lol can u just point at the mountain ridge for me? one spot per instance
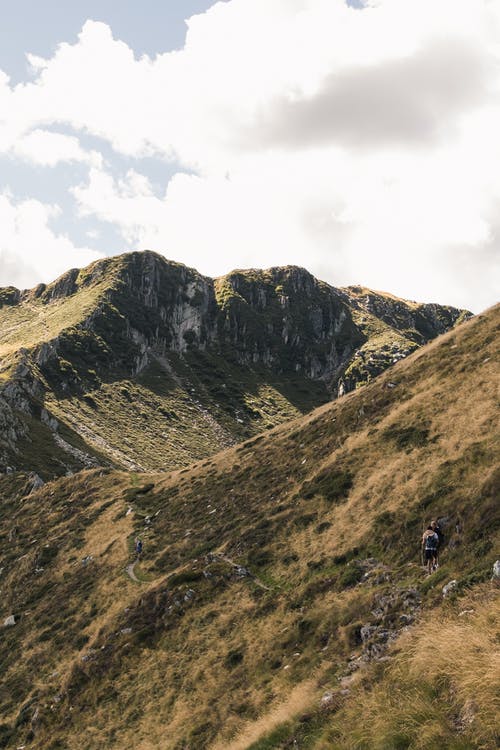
(137, 328)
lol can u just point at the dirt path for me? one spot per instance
(248, 574)
(130, 572)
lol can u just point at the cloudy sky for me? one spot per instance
(357, 139)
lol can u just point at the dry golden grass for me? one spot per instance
(215, 673)
(33, 323)
(442, 689)
(298, 699)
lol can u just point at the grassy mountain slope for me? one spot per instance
(323, 516)
(144, 364)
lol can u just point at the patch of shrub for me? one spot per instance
(305, 520)
(332, 484)
(6, 733)
(323, 526)
(353, 634)
(351, 575)
(46, 555)
(81, 641)
(343, 559)
(186, 576)
(259, 557)
(406, 438)
(233, 658)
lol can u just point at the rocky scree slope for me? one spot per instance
(281, 589)
(144, 364)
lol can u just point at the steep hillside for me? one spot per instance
(139, 363)
(281, 587)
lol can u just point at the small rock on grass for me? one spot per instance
(449, 588)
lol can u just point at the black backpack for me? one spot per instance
(432, 541)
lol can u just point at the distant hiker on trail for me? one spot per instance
(437, 528)
(430, 543)
(138, 548)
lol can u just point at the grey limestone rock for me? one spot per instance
(449, 588)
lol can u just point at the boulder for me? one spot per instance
(450, 587)
(9, 621)
(496, 571)
(36, 481)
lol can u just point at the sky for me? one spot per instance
(357, 139)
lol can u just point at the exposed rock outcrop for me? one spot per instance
(119, 315)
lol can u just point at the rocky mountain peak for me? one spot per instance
(230, 340)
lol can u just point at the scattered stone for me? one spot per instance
(326, 699)
(465, 612)
(496, 571)
(36, 482)
(366, 632)
(406, 620)
(387, 623)
(242, 572)
(354, 665)
(86, 560)
(189, 595)
(449, 588)
(125, 631)
(332, 700)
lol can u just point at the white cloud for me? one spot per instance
(30, 251)
(47, 149)
(357, 143)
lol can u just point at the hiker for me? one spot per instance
(138, 548)
(437, 529)
(430, 541)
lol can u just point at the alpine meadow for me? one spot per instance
(280, 591)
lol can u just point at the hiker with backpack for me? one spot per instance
(437, 528)
(430, 543)
(138, 548)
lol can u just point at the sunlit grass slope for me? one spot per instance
(325, 513)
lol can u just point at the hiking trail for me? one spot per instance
(130, 572)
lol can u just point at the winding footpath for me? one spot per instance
(130, 572)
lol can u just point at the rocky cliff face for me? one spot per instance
(64, 343)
